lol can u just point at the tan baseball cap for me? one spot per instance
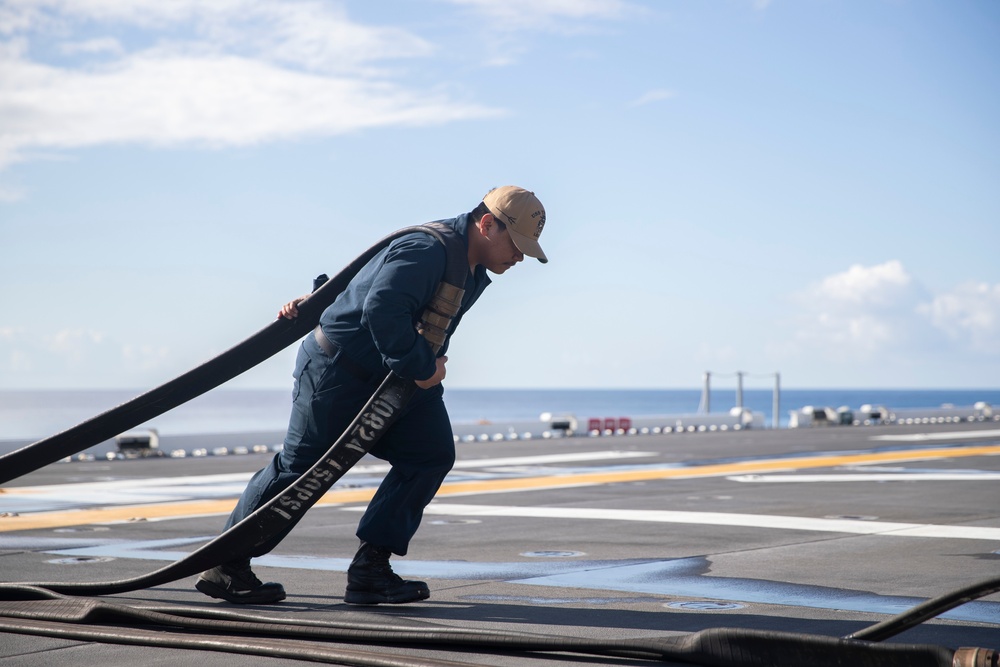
(523, 214)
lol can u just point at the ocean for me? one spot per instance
(35, 414)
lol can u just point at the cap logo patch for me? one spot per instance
(541, 223)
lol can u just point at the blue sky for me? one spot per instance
(807, 187)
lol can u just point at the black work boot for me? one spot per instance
(235, 582)
(370, 580)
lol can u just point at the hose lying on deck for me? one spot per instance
(37, 611)
(927, 610)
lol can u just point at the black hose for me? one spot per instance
(262, 345)
(926, 610)
(282, 511)
(287, 508)
(273, 648)
(720, 647)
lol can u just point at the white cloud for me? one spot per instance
(875, 286)
(75, 347)
(547, 14)
(80, 357)
(874, 311)
(29, 356)
(969, 315)
(318, 35)
(862, 311)
(102, 45)
(227, 72)
(217, 100)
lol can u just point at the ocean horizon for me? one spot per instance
(37, 413)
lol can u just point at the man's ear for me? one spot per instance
(486, 223)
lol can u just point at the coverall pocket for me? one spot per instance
(301, 363)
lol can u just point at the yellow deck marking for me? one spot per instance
(716, 470)
(64, 518)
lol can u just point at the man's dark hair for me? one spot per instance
(481, 210)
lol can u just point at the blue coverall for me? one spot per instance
(373, 323)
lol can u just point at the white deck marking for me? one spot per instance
(879, 528)
(873, 477)
(946, 435)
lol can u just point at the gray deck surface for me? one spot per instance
(822, 531)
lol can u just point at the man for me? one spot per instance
(367, 332)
